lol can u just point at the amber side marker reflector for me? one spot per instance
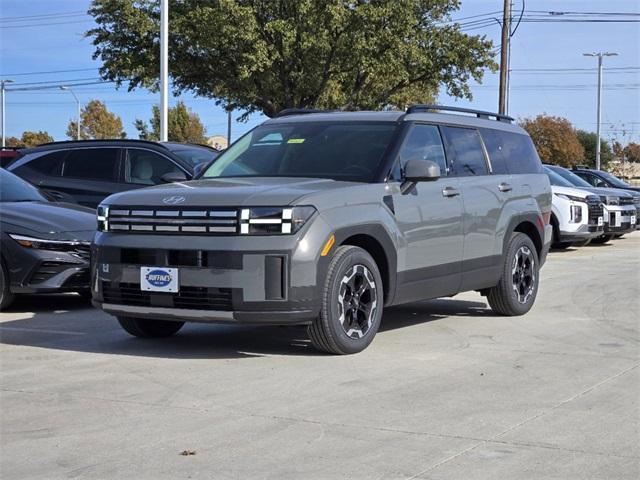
(328, 245)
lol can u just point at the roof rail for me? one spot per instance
(98, 140)
(478, 113)
(301, 111)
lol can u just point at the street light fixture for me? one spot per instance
(62, 87)
(3, 82)
(600, 55)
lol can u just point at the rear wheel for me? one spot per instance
(352, 300)
(145, 328)
(518, 287)
(6, 297)
(602, 239)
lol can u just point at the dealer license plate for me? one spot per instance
(159, 279)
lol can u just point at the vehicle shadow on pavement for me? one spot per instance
(66, 323)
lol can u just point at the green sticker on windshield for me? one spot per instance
(295, 140)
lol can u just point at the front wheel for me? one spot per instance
(6, 297)
(145, 328)
(352, 300)
(518, 287)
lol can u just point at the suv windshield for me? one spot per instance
(556, 180)
(337, 150)
(14, 189)
(571, 177)
(613, 180)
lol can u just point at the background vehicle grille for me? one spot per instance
(198, 298)
(626, 201)
(46, 270)
(595, 209)
(183, 221)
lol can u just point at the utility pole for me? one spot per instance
(228, 127)
(62, 87)
(164, 70)
(2, 84)
(504, 56)
(600, 55)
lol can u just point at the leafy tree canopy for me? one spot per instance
(184, 125)
(96, 122)
(555, 139)
(29, 139)
(266, 55)
(589, 141)
(632, 152)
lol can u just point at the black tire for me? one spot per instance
(562, 245)
(6, 297)
(351, 306)
(145, 328)
(618, 235)
(602, 239)
(504, 299)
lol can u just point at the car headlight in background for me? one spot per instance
(102, 215)
(273, 220)
(571, 197)
(69, 246)
(576, 213)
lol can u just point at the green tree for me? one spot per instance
(589, 141)
(31, 139)
(184, 125)
(266, 55)
(632, 152)
(96, 122)
(14, 142)
(555, 139)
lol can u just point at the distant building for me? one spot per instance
(218, 142)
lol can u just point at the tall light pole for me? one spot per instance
(164, 70)
(504, 57)
(62, 87)
(600, 55)
(2, 84)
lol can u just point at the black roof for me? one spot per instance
(117, 142)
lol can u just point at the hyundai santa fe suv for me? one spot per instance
(324, 219)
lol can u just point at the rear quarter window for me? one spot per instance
(512, 153)
(48, 164)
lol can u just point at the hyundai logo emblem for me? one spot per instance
(173, 200)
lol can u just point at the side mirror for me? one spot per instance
(418, 170)
(173, 177)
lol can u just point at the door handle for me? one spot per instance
(505, 187)
(450, 192)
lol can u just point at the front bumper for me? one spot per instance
(44, 271)
(267, 280)
(620, 219)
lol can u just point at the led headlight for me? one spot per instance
(55, 245)
(273, 220)
(571, 197)
(102, 215)
(576, 213)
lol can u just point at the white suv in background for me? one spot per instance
(576, 215)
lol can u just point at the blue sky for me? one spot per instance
(537, 46)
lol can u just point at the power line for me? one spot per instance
(44, 24)
(62, 81)
(43, 16)
(50, 71)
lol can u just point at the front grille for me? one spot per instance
(197, 298)
(595, 209)
(626, 201)
(78, 280)
(83, 251)
(167, 221)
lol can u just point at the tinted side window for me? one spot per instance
(92, 164)
(423, 142)
(592, 179)
(144, 167)
(47, 164)
(511, 152)
(468, 153)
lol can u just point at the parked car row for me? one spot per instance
(312, 218)
(583, 213)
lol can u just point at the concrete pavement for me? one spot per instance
(447, 390)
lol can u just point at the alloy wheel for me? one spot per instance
(357, 301)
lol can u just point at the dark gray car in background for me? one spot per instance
(323, 219)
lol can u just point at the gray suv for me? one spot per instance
(325, 218)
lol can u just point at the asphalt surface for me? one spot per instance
(446, 391)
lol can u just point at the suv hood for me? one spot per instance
(49, 220)
(227, 192)
(612, 192)
(574, 192)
